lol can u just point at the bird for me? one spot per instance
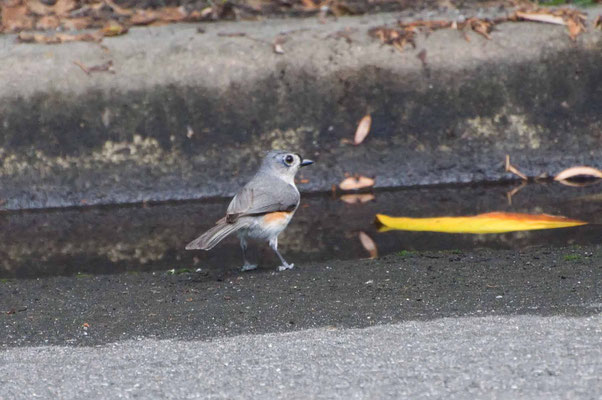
(262, 209)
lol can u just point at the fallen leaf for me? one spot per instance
(540, 17)
(493, 222)
(29, 37)
(482, 27)
(74, 24)
(356, 182)
(363, 129)
(575, 28)
(368, 244)
(513, 169)
(38, 8)
(62, 7)
(113, 28)
(15, 18)
(118, 10)
(47, 22)
(598, 22)
(357, 198)
(578, 171)
(86, 325)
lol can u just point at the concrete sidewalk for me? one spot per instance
(187, 114)
(494, 357)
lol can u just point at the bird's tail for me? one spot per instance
(213, 236)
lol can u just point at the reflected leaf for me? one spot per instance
(493, 222)
(368, 244)
(357, 198)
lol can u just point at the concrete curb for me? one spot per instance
(187, 115)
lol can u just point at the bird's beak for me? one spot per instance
(305, 163)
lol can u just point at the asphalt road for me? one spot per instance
(491, 357)
(484, 324)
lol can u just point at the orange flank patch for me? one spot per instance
(278, 216)
(493, 222)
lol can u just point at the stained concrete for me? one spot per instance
(187, 115)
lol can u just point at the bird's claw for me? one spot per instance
(248, 267)
(285, 267)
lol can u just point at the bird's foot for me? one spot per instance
(248, 267)
(285, 267)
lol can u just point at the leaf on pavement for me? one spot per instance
(363, 129)
(368, 244)
(493, 222)
(356, 182)
(578, 171)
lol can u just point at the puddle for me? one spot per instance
(135, 238)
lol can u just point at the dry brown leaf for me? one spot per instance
(358, 198)
(513, 169)
(575, 28)
(578, 171)
(356, 182)
(76, 23)
(113, 28)
(118, 10)
(363, 129)
(540, 17)
(47, 22)
(368, 244)
(39, 8)
(598, 22)
(29, 37)
(309, 5)
(144, 17)
(15, 18)
(62, 7)
(480, 26)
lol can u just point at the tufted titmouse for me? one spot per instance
(262, 208)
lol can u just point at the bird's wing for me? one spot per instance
(262, 196)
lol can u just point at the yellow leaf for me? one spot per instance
(493, 222)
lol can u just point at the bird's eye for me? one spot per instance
(289, 159)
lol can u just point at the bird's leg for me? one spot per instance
(243, 245)
(274, 246)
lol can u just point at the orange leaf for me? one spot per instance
(363, 129)
(356, 182)
(368, 244)
(493, 222)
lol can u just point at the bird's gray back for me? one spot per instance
(264, 193)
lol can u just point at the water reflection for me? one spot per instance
(118, 239)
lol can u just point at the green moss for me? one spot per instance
(572, 257)
(406, 253)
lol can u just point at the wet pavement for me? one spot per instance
(106, 240)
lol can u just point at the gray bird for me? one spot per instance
(262, 208)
